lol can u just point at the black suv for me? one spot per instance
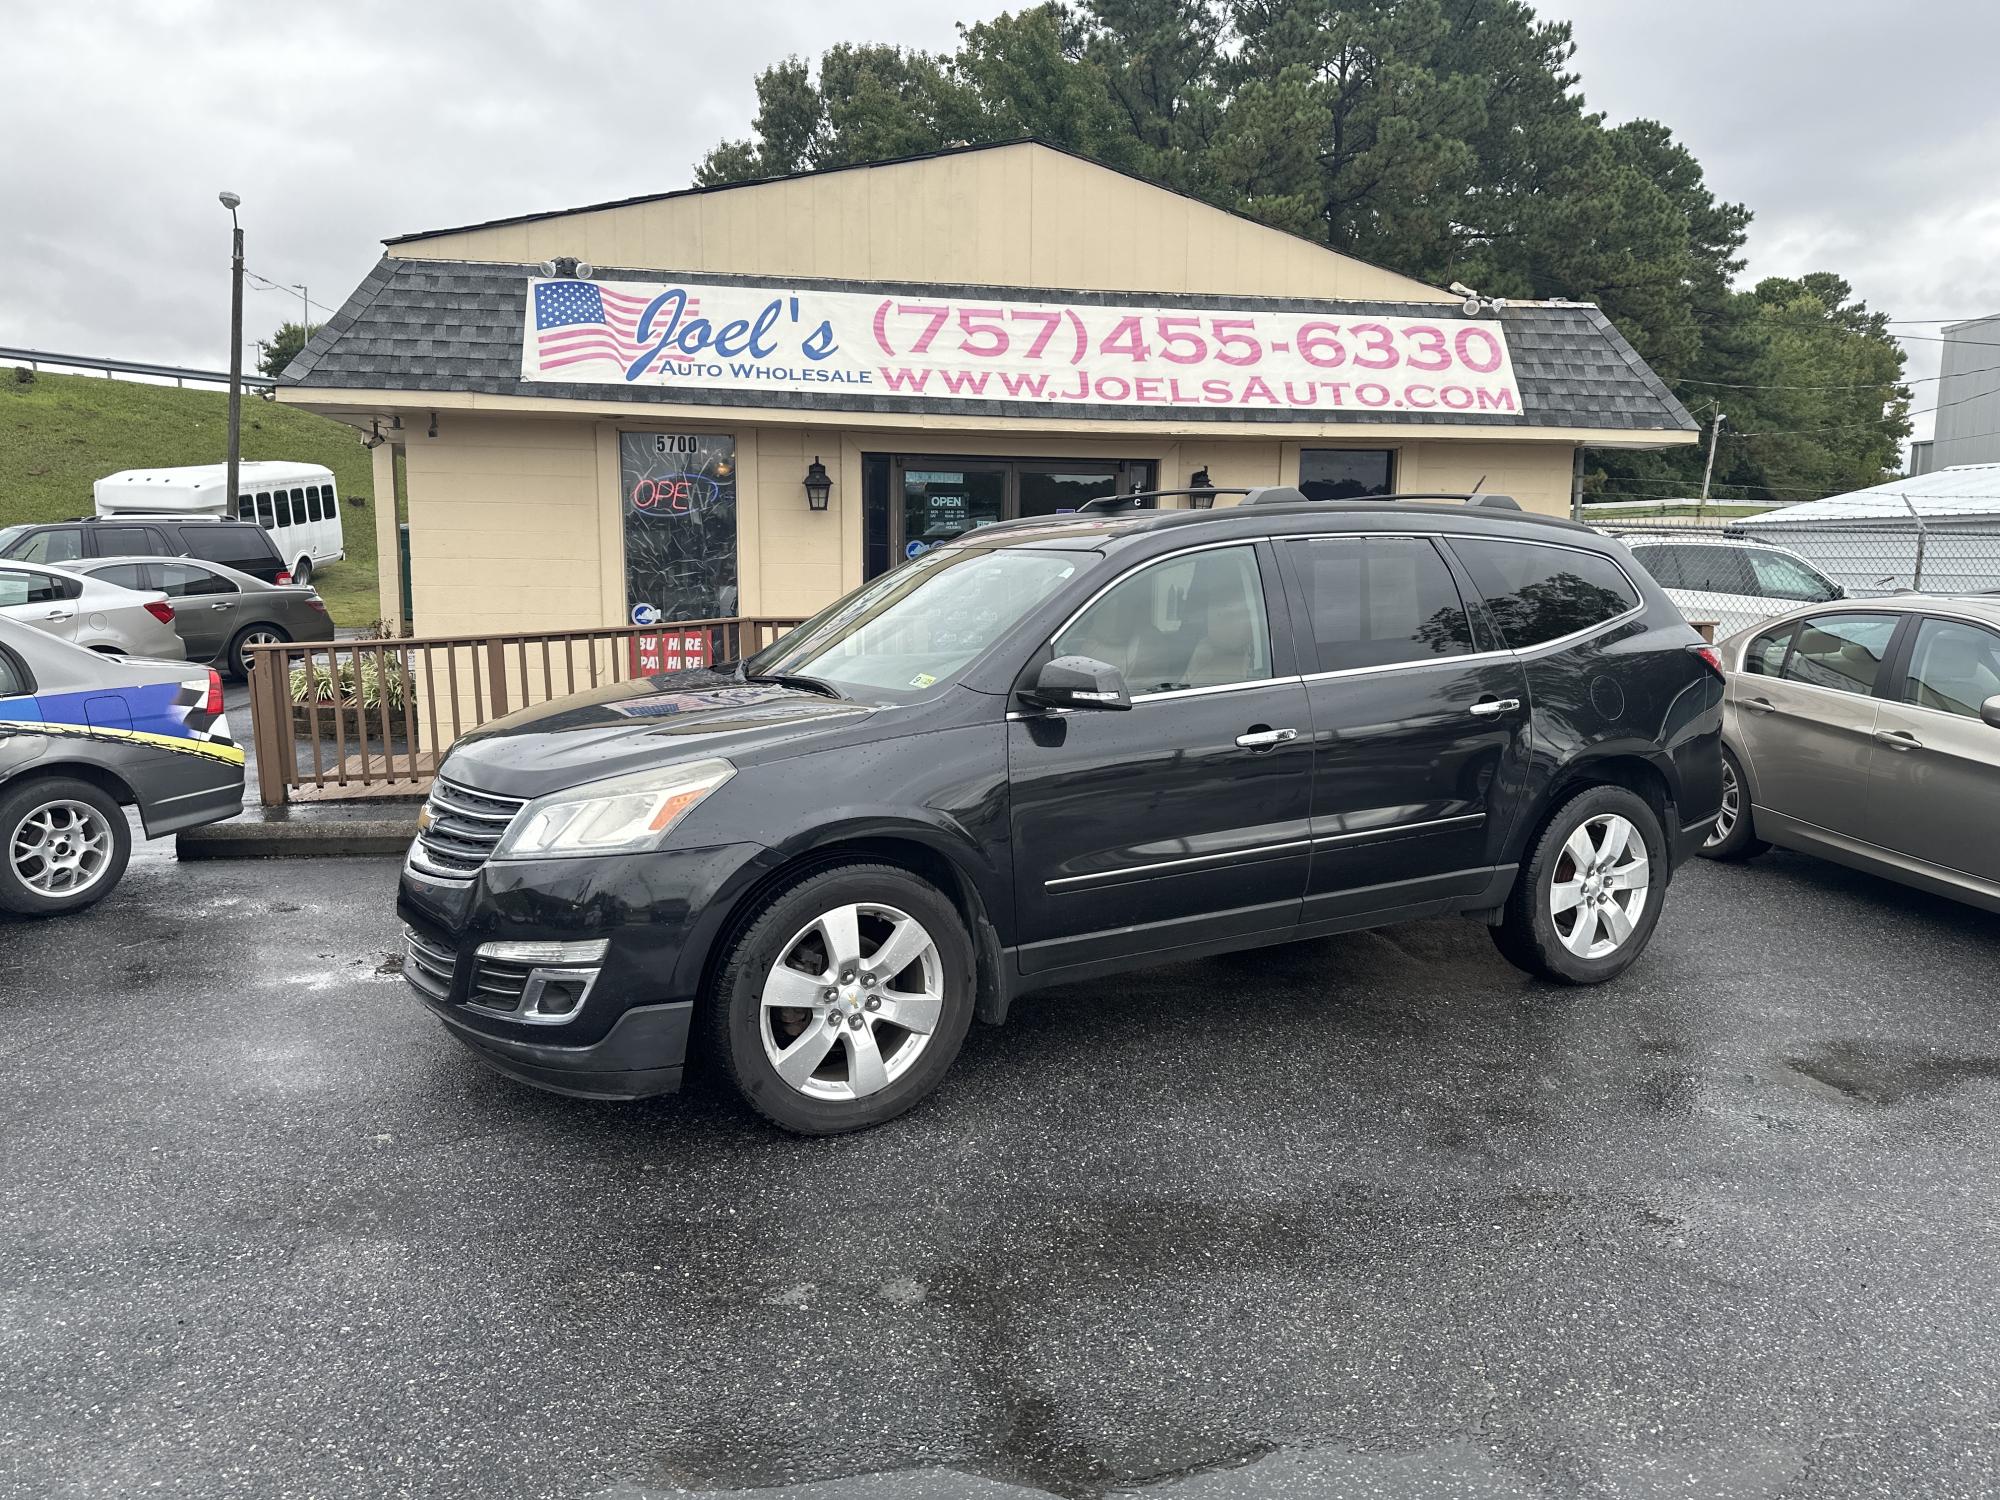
(1053, 750)
(241, 545)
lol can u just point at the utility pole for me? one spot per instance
(230, 201)
(305, 312)
(1708, 470)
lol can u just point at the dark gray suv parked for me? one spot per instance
(236, 544)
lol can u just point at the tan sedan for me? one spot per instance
(1868, 732)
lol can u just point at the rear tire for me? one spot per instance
(1588, 896)
(251, 635)
(859, 1046)
(302, 571)
(1735, 834)
(63, 846)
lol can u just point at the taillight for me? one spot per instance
(212, 704)
(160, 610)
(1710, 655)
(316, 603)
(284, 576)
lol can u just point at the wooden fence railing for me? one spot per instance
(351, 719)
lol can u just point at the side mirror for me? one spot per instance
(1079, 682)
(1989, 711)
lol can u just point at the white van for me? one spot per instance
(295, 503)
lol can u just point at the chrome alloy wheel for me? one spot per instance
(852, 1002)
(60, 848)
(1600, 886)
(1732, 807)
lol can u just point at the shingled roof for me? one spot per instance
(430, 325)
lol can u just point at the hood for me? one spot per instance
(632, 726)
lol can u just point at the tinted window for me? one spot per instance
(282, 501)
(126, 575)
(246, 508)
(1665, 564)
(19, 586)
(332, 503)
(1765, 656)
(126, 541)
(1954, 667)
(264, 514)
(235, 545)
(180, 580)
(1191, 621)
(1345, 473)
(1378, 601)
(1539, 593)
(313, 509)
(1842, 652)
(12, 683)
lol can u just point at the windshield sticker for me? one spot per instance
(922, 680)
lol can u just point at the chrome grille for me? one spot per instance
(462, 831)
(427, 968)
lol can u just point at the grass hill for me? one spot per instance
(60, 433)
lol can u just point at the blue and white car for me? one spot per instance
(84, 736)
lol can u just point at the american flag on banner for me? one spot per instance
(579, 321)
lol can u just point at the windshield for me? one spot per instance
(922, 623)
(9, 535)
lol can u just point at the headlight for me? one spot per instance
(618, 816)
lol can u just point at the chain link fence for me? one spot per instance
(1735, 572)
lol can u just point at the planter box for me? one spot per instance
(358, 725)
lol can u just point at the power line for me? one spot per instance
(268, 285)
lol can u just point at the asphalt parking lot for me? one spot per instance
(1371, 1216)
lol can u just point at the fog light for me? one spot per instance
(547, 953)
(561, 995)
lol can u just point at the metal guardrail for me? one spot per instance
(34, 359)
(373, 718)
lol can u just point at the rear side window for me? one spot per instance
(246, 508)
(1765, 656)
(1379, 601)
(264, 518)
(181, 580)
(314, 509)
(282, 503)
(1840, 652)
(332, 503)
(1540, 593)
(126, 541)
(19, 586)
(235, 545)
(13, 682)
(126, 575)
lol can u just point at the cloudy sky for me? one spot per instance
(1863, 147)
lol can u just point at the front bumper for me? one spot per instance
(605, 1015)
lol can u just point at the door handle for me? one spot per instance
(1492, 706)
(218, 606)
(1264, 739)
(1898, 739)
(58, 614)
(1760, 705)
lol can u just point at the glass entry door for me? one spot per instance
(938, 499)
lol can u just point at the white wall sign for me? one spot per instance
(923, 349)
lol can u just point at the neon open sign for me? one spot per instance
(675, 494)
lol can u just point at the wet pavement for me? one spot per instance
(1366, 1217)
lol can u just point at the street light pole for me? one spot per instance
(305, 313)
(230, 202)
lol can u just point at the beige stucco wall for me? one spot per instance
(1020, 215)
(515, 522)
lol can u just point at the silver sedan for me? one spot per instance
(92, 612)
(1868, 732)
(217, 610)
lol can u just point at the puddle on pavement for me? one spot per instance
(1888, 1076)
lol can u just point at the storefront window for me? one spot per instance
(942, 503)
(1346, 473)
(680, 525)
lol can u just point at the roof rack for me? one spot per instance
(1281, 494)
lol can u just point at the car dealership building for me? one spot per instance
(746, 400)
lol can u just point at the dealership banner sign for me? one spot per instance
(723, 337)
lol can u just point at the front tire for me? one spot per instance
(1588, 897)
(1734, 836)
(63, 846)
(845, 1001)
